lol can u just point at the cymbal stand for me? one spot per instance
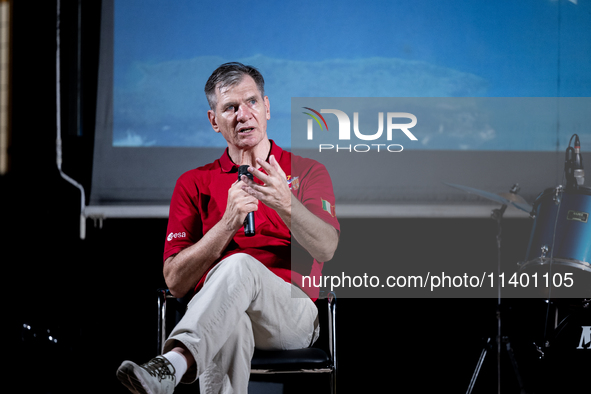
(497, 214)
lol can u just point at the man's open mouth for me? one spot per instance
(245, 130)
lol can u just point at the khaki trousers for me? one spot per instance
(242, 305)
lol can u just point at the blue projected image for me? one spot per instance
(164, 53)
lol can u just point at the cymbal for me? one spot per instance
(509, 199)
(513, 197)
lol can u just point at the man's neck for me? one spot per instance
(249, 156)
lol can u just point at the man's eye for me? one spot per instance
(253, 101)
(230, 108)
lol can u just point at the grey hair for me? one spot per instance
(230, 74)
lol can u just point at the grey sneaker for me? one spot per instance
(154, 377)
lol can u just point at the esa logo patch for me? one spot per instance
(172, 236)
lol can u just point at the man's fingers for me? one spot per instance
(272, 168)
(255, 190)
(275, 165)
(258, 174)
(246, 198)
(265, 165)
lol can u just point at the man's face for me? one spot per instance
(241, 114)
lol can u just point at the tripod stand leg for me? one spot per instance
(478, 366)
(514, 363)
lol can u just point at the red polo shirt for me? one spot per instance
(199, 201)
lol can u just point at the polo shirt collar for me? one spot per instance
(228, 165)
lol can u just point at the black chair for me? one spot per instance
(321, 358)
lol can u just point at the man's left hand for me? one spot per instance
(274, 192)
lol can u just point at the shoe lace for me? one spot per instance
(160, 368)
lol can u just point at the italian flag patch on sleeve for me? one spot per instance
(328, 207)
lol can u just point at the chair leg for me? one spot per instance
(333, 382)
(332, 310)
(161, 321)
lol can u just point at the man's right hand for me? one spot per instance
(183, 271)
(239, 204)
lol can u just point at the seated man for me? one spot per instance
(248, 291)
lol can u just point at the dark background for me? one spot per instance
(97, 296)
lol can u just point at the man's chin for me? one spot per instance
(249, 140)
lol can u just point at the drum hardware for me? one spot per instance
(505, 199)
(545, 250)
(572, 248)
(564, 366)
(540, 351)
(513, 361)
(479, 365)
(560, 238)
(542, 261)
(509, 348)
(513, 197)
(558, 195)
(508, 199)
(546, 345)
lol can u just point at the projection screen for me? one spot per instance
(531, 59)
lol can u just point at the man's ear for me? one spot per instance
(268, 107)
(213, 120)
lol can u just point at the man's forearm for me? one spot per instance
(183, 271)
(319, 238)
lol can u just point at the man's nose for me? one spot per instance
(244, 113)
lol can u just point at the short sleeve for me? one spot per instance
(184, 220)
(317, 193)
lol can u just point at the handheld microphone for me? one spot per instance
(249, 220)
